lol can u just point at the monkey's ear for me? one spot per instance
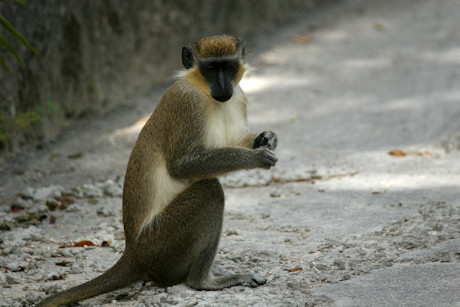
(187, 57)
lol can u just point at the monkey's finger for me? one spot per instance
(271, 155)
(269, 163)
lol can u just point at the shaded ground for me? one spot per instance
(338, 222)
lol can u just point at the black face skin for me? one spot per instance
(220, 74)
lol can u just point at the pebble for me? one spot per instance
(112, 189)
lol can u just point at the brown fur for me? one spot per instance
(216, 46)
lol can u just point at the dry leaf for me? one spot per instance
(54, 155)
(18, 171)
(275, 194)
(15, 209)
(379, 27)
(64, 263)
(66, 199)
(92, 201)
(397, 153)
(83, 243)
(75, 155)
(56, 277)
(294, 269)
(303, 39)
(319, 249)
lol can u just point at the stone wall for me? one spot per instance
(93, 55)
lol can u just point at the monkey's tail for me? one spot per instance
(120, 275)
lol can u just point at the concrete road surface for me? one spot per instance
(362, 209)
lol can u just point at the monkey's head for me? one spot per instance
(216, 63)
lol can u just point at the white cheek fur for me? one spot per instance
(227, 123)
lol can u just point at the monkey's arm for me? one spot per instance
(200, 163)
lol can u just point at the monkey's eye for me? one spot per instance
(211, 67)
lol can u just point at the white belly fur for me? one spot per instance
(165, 189)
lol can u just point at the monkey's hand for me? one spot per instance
(265, 158)
(267, 139)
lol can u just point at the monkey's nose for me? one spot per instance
(222, 98)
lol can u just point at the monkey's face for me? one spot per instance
(220, 74)
(215, 64)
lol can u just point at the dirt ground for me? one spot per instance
(362, 209)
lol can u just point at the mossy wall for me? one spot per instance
(93, 55)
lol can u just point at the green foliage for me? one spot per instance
(48, 110)
(8, 127)
(4, 42)
(11, 126)
(92, 89)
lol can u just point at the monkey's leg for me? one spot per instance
(181, 243)
(210, 200)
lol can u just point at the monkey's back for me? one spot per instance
(148, 186)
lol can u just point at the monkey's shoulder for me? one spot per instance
(186, 94)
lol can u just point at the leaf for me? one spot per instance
(379, 27)
(26, 119)
(24, 218)
(294, 269)
(294, 118)
(83, 243)
(52, 219)
(12, 30)
(10, 49)
(10, 225)
(303, 39)
(18, 171)
(320, 249)
(75, 156)
(64, 263)
(92, 201)
(52, 205)
(66, 199)
(54, 155)
(57, 277)
(4, 65)
(397, 153)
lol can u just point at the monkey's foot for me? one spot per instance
(255, 280)
(221, 282)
